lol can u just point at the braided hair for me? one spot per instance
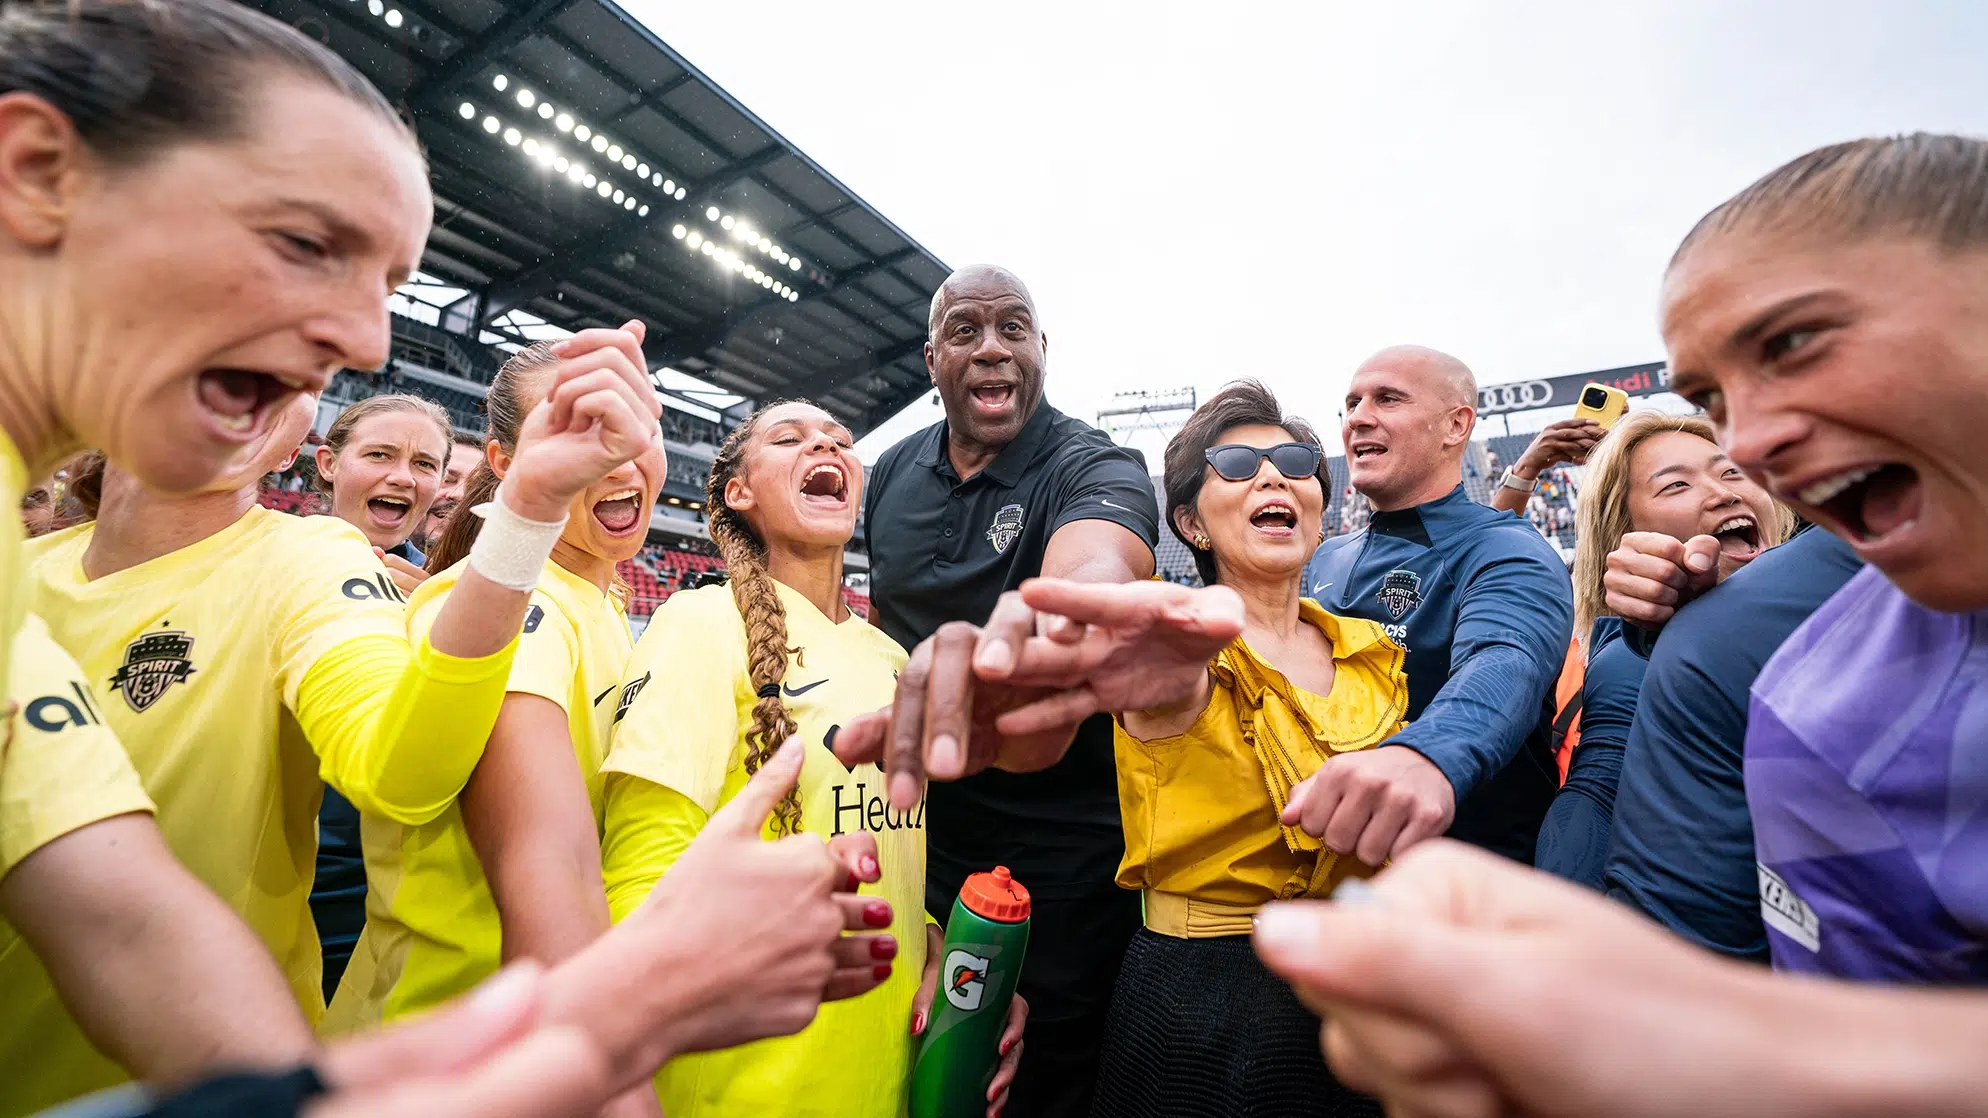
(758, 600)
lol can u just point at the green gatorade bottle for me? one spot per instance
(978, 967)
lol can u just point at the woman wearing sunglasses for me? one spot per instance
(1197, 1025)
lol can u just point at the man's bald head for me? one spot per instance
(1409, 414)
(1437, 371)
(975, 281)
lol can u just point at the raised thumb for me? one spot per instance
(748, 811)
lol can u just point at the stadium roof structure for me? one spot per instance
(585, 174)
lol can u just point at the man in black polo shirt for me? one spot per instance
(1008, 488)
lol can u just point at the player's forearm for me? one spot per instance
(1842, 1050)
(1477, 723)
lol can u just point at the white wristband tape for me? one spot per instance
(510, 550)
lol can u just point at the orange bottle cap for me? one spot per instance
(996, 896)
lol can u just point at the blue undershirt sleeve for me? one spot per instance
(1573, 841)
(1515, 616)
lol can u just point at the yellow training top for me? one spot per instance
(1201, 808)
(13, 592)
(61, 769)
(679, 754)
(243, 672)
(432, 928)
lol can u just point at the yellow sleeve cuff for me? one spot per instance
(398, 730)
(648, 827)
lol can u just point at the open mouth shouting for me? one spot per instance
(620, 512)
(388, 513)
(992, 398)
(1364, 450)
(1276, 518)
(1739, 538)
(826, 485)
(1865, 504)
(237, 400)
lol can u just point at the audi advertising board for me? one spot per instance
(1554, 392)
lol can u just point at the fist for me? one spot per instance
(1650, 576)
(1375, 804)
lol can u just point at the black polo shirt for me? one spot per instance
(941, 550)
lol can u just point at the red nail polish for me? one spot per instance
(881, 970)
(877, 914)
(918, 1023)
(868, 867)
(1006, 1045)
(883, 947)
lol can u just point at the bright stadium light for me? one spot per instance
(590, 180)
(526, 98)
(744, 232)
(545, 110)
(394, 18)
(618, 196)
(706, 248)
(642, 169)
(643, 211)
(513, 137)
(711, 213)
(627, 204)
(693, 238)
(375, 7)
(531, 145)
(600, 142)
(468, 111)
(628, 163)
(581, 131)
(604, 189)
(565, 123)
(576, 172)
(500, 83)
(614, 152)
(669, 186)
(561, 164)
(490, 125)
(726, 221)
(794, 263)
(678, 231)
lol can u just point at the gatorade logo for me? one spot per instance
(966, 980)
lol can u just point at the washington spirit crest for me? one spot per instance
(1401, 591)
(152, 664)
(1007, 526)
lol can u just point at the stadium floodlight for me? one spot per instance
(560, 163)
(643, 211)
(614, 152)
(565, 123)
(604, 189)
(680, 192)
(590, 180)
(468, 111)
(711, 213)
(394, 18)
(531, 145)
(618, 196)
(526, 98)
(706, 248)
(627, 203)
(628, 163)
(500, 83)
(678, 231)
(375, 7)
(693, 238)
(513, 137)
(669, 186)
(491, 125)
(600, 142)
(581, 131)
(744, 232)
(643, 170)
(726, 221)
(794, 263)
(545, 110)
(576, 172)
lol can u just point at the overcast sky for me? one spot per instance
(1202, 191)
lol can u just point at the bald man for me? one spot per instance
(1003, 489)
(1481, 604)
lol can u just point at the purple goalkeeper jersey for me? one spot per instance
(1867, 779)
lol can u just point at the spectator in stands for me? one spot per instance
(1003, 489)
(464, 453)
(1481, 604)
(1567, 441)
(720, 679)
(380, 466)
(1656, 474)
(1198, 1027)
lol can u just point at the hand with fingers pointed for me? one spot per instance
(1011, 694)
(600, 411)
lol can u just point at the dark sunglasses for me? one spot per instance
(1237, 462)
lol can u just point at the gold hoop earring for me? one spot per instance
(1202, 542)
(1321, 533)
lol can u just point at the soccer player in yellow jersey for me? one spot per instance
(512, 869)
(722, 676)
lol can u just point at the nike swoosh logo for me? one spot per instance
(797, 692)
(1106, 502)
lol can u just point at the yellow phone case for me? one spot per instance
(1617, 402)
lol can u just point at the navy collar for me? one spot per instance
(1408, 523)
(1007, 466)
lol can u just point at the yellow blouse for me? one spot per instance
(1201, 808)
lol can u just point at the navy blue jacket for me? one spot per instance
(1483, 606)
(1573, 842)
(1682, 846)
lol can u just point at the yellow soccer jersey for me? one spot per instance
(13, 591)
(688, 704)
(432, 928)
(61, 769)
(198, 656)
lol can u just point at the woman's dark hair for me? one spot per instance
(136, 76)
(1241, 403)
(758, 601)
